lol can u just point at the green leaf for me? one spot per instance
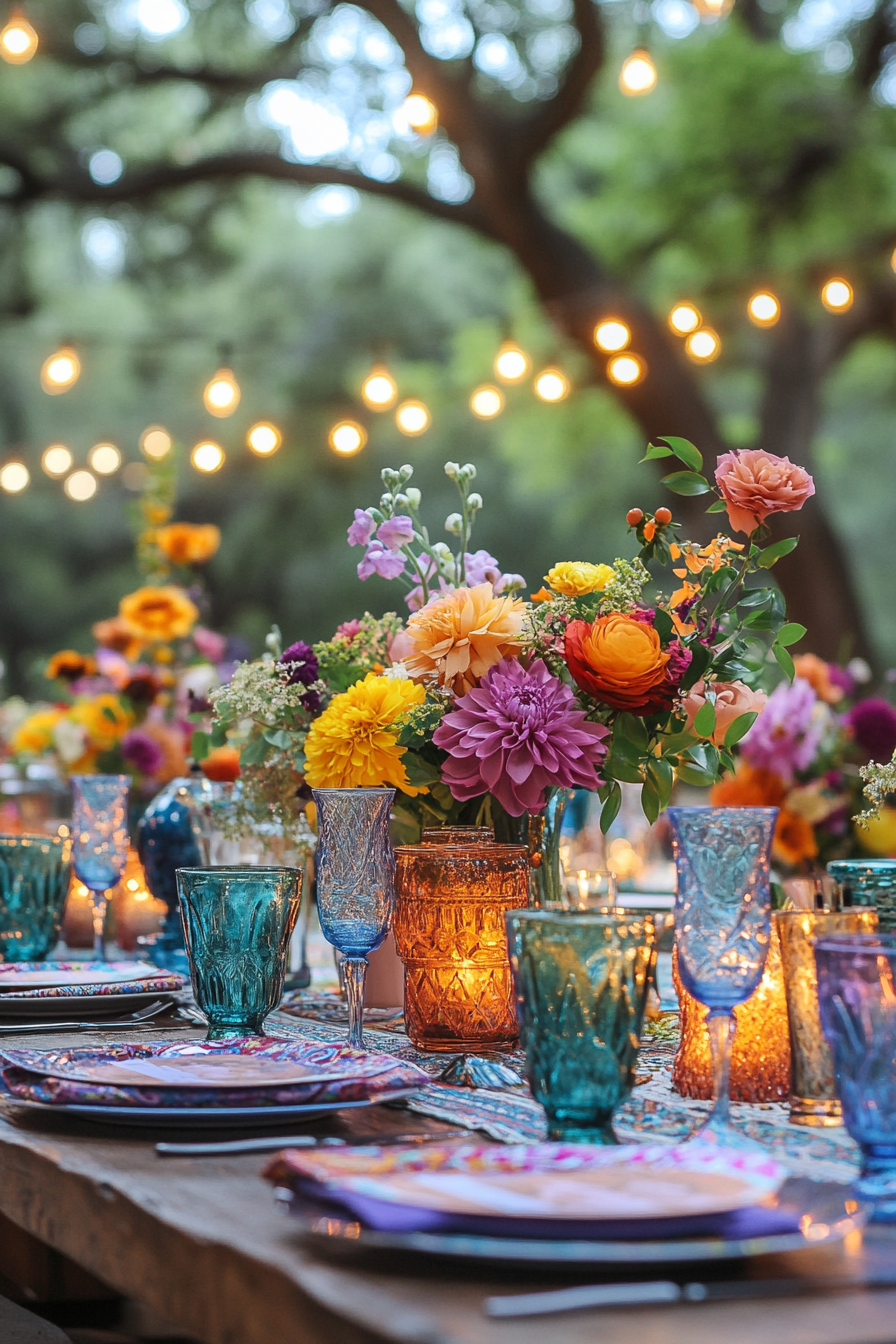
(650, 801)
(612, 804)
(785, 662)
(685, 451)
(739, 726)
(690, 774)
(718, 507)
(686, 483)
(705, 720)
(662, 777)
(662, 624)
(705, 757)
(618, 767)
(700, 658)
(279, 738)
(420, 773)
(756, 597)
(199, 746)
(760, 620)
(255, 752)
(791, 633)
(632, 729)
(656, 450)
(676, 743)
(771, 554)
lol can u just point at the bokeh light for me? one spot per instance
(14, 477)
(552, 385)
(60, 371)
(611, 335)
(837, 295)
(155, 442)
(703, 346)
(511, 363)
(222, 393)
(626, 370)
(347, 437)
(379, 389)
(421, 115)
(18, 40)
(207, 456)
(104, 458)
(80, 486)
(638, 73)
(264, 438)
(412, 418)
(684, 318)
(763, 309)
(57, 460)
(487, 402)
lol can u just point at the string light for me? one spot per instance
(57, 460)
(837, 295)
(18, 40)
(264, 438)
(207, 456)
(611, 335)
(763, 309)
(155, 442)
(421, 115)
(80, 486)
(703, 346)
(510, 363)
(347, 437)
(638, 73)
(893, 260)
(684, 318)
(104, 458)
(222, 394)
(60, 371)
(713, 9)
(379, 389)
(412, 418)
(626, 370)
(487, 402)
(14, 477)
(552, 385)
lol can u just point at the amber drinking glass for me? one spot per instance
(450, 934)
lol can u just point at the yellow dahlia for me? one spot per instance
(354, 743)
(456, 639)
(36, 733)
(103, 718)
(576, 578)
(158, 615)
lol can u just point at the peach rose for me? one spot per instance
(733, 698)
(457, 638)
(755, 484)
(618, 660)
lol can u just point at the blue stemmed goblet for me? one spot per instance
(99, 842)
(355, 884)
(722, 925)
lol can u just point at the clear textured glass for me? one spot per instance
(868, 882)
(541, 833)
(355, 884)
(722, 924)
(857, 1000)
(34, 873)
(581, 982)
(99, 841)
(237, 927)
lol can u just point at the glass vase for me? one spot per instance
(540, 833)
(450, 933)
(868, 882)
(169, 836)
(34, 878)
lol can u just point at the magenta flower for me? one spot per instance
(210, 644)
(141, 751)
(519, 733)
(873, 723)
(786, 735)
(396, 532)
(388, 564)
(301, 660)
(362, 529)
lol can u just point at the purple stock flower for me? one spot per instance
(519, 733)
(786, 735)
(362, 529)
(142, 751)
(396, 532)
(388, 564)
(301, 660)
(873, 723)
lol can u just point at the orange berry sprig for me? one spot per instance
(650, 530)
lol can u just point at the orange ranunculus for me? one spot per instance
(457, 638)
(69, 666)
(116, 635)
(818, 674)
(158, 615)
(222, 765)
(794, 840)
(750, 787)
(188, 543)
(620, 661)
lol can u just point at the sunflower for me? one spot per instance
(158, 615)
(354, 743)
(188, 543)
(68, 665)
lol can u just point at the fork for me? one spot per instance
(137, 1019)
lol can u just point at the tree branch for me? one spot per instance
(571, 97)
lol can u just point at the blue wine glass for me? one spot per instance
(355, 884)
(99, 842)
(722, 925)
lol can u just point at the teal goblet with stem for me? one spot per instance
(99, 842)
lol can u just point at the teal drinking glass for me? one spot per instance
(237, 927)
(868, 882)
(34, 873)
(581, 982)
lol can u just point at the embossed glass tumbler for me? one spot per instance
(237, 927)
(868, 882)
(34, 872)
(722, 925)
(581, 982)
(355, 884)
(99, 842)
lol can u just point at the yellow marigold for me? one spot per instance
(456, 639)
(188, 543)
(353, 744)
(70, 666)
(103, 718)
(35, 734)
(158, 615)
(576, 578)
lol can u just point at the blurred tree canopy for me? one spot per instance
(177, 178)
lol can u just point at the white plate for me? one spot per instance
(76, 1007)
(204, 1071)
(13, 980)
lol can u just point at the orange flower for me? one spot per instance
(158, 615)
(222, 765)
(115, 634)
(748, 788)
(543, 595)
(457, 638)
(618, 660)
(794, 840)
(816, 671)
(69, 666)
(188, 543)
(171, 740)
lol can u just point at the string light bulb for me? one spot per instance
(379, 389)
(264, 438)
(552, 385)
(18, 40)
(413, 418)
(713, 9)
(155, 442)
(80, 486)
(421, 115)
(104, 459)
(837, 295)
(626, 370)
(511, 364)
(487, 402)
(222, 394)
(611, 335)
(638, 73)
(763, 309)
(14, 477)
(60, 371)
(207, 456)
(347, 437)
(57, 460)
(703, 345)
(684, 318)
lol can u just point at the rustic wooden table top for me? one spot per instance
(203, 1242)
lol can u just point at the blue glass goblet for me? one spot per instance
(99, 842)
(355, 884)
(722, 925)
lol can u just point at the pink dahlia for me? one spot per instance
(520, 732)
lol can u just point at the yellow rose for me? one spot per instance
(577, 578)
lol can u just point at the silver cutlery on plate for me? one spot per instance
(273, 1143)
(139, 1019)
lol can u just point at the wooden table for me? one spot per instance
(202, 1241)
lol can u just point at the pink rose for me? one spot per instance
(733, 698)
(755, 484)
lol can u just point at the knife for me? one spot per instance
(273, 1143)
